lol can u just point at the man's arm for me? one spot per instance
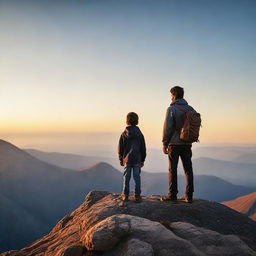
(168, 128)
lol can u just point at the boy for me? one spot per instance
(132, 154)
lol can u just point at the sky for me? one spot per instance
(72, 70)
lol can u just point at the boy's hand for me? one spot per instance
(121, 163)
(142, 164)
(165, 150)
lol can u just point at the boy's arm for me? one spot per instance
(120, 150)
(168, 127)
(143, 149)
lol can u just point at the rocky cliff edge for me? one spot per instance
(104, 225)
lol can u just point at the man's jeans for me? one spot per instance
(128, 170)
(185, 153)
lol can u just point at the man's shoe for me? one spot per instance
(125, 197)
(188, 199)
(169, 198)
(138, 199)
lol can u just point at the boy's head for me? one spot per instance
(132, 119)
(177, 92)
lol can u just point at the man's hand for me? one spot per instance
(165, 150)
(142, 164)
(121, 163)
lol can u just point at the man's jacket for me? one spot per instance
(132, 147)
(173, 123)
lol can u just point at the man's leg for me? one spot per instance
(186, 155)
(126, 180)
(137, 180)
(173, 156)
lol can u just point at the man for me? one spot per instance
(175, 147)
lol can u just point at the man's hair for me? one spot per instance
(132, 119)
(178, 92)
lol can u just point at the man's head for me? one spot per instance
(132, 119)
(177, 92)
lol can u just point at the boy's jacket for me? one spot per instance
(132, 147)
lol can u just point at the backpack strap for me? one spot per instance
(182, 110)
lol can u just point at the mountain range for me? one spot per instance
(233, 172)
(40, 193)
(237, 154)
(70, 161)
(36, 194)
(244, 204)
(236, 173)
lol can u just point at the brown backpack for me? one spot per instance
(191, 126)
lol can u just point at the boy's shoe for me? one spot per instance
(138, 199)
(169, 198)
(125, 197)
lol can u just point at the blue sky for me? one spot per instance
(80, 66)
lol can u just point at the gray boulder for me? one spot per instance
(106, 234)
(132, 247)
(126, 235)
(211, 242)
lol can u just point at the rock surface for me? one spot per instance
(162, 240)
(106, 234)
(133, 247)
(104, 225)
(211, 242)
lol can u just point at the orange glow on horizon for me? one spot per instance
(152, 131)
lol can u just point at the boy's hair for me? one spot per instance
(177, 92)
(132, 118)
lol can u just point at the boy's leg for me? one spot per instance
(126, 179)
(137, 180)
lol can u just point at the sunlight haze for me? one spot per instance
(81, 66)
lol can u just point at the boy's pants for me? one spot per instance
(128, 170)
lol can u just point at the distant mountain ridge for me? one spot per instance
(206, 186)
(42, 190)
(236, 173)
(70, 161)
(18, 223)
(237, 154)
(48, 192)
(244, 204)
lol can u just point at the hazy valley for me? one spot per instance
(36, 194)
